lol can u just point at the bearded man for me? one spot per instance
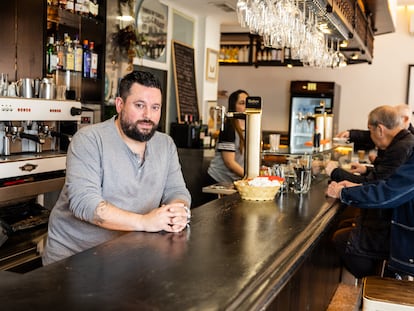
(122, 175)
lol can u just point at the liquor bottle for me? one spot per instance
(62, 4)
(93, 8)
(51, 56)
(79, 7)
(94, 60)
(85, 8)
(70, 6)
(86, 60)
(69, 54)
(82, 7)
(60, 51)
(78, 54)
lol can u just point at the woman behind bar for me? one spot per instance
(228, 162)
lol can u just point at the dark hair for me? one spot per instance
(141, 77)
(233, 98)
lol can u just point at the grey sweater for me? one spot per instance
(100, 166)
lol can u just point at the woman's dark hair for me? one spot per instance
(141, 77)
(233, 98)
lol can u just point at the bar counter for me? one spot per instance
(237, 255)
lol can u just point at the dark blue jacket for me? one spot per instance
(396, 192)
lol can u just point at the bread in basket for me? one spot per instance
(263, 188)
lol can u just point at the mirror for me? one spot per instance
(151, 27)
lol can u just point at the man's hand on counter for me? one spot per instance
(334, 188)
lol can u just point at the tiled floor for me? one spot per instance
(347, 298)
(348, 295)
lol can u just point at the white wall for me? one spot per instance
(208, 89)
(207, 35)
(363, 86)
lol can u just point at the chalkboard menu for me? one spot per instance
(185, 82)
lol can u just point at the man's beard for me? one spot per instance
(131, 129)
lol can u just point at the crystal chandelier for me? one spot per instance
(298, 26)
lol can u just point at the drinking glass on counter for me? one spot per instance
(303, 178)
(274, 141)
(361, 156)
(286, 172)
(297, 174)
(303, 174)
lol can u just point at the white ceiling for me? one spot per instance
(208, 7)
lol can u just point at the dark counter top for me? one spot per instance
(237, 255)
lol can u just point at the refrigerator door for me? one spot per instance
(302, 121)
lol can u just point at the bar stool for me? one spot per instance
(386, 294)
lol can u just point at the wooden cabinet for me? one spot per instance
(245, 49)
(21, 22)
(236, 49)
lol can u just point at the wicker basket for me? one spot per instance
(254, 193)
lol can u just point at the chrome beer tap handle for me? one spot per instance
(222, 110)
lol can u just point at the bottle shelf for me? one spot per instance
(71, 19)
(70, 31)
(250, 48)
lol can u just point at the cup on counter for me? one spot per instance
(274, 141)
(302, 174)
(361, 155)
(286, 172)
(303, 179)
(25, 86)
(11, 90)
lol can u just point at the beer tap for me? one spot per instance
(252, 115)
(222, 110)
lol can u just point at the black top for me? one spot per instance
(386, 162)
(362, 138)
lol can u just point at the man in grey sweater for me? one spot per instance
(122, 175)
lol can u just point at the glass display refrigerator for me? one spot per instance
(314, 110)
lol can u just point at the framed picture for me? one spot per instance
(410, 87)
(212, 65)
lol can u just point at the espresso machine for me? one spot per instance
(34, 136)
